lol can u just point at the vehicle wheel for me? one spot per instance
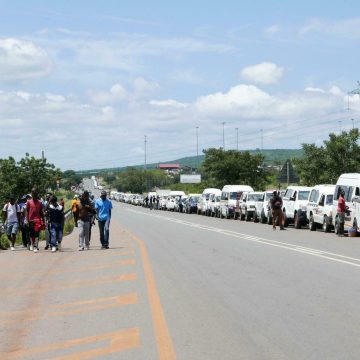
(269, 219)
(256, 218)
(312, 224)
(221, 214)
(286, 220)
(355, 226)
(326, 225)
(247, 216)
(227, 215)
(263, 219)
(297, 221)
(336, 226)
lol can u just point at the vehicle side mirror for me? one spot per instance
(244, 200)
(292, 198)
(356, 199)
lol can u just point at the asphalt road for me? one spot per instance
(178, 286)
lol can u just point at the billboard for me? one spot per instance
(190, 179)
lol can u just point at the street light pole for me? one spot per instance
(197, 146)
(237, 139)
(145, 151)
(223, 124)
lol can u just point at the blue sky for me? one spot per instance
(102, 74)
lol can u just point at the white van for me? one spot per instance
(350, 183)
(203, 204)
(230, 196)
(247, 205)
(319, 208)
(294, 205)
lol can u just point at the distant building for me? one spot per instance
(170, 168)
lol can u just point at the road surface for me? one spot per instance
(178, 286)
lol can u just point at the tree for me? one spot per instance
(19, 178)
(234, 167)
(324, 164)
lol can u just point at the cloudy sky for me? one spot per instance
(86, 80)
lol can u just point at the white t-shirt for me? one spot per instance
(12, 211)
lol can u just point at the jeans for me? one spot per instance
(25, 235)
(84, 233)
(56, 234)
(104, 232)
(48, 234)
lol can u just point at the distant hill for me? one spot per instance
(272, 157)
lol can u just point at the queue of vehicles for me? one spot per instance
(312, 207)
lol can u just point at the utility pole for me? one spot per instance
(353, 92)
(352, 120)
(223, 124)
(197, 147)
(340, 126)
(288, 172)
(146, 179)
(43, 155)
(145, 151)
(237, 139)
(262, 140)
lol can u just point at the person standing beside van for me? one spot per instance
(341, 210)
(276, 208)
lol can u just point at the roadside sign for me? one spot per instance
(73, 188)
(190, 179)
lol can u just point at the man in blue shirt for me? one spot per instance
(103, 208)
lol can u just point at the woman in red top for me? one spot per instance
(35, 219)
(341, 210)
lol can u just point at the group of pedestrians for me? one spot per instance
(31, 215)
(152, 202)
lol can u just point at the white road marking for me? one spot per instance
(304, 250)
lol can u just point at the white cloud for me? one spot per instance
(265, 73)
(168, 103)
(22, 60)
(345, 28)
(143, 87)
(272, 30)
(116, 94)
(246, 99)
(314, 89)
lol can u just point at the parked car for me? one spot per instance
(170, 203)
(203, 204)
(294, 205)
(350, 183)
(247, 204)
(214, 204)
(179, 200)
(320, 207)
(191, 204)
(262, 207)
(230, 196)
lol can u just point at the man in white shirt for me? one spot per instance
(11, 215)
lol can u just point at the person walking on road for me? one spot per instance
(341, 211)
(103, 208)
(276, 208)
(11, 216)
(35, 219)
(56, 223)
(74, 202)
(46, 205)
(24, 227)
(85, 212)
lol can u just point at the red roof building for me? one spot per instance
(170, 168)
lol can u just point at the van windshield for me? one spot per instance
(304, 195)
(233, 195)
(255, 197)
(329, 199)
